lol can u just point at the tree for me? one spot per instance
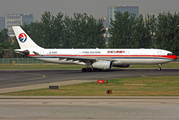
(87, 32)
(167, 33)
(98, 30)
(140, 34)
(58, 29)
(79, 31)
(47, 25)
(1, 45)
(67, 38)
(151, 25)
(4, 41)
(121, 30)
(127, 31)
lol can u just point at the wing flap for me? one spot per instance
(79, 58)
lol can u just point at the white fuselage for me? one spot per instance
(118, 56)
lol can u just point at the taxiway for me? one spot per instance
(83, 107)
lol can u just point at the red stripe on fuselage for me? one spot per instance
(160, 56)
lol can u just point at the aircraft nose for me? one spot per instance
(175, 57)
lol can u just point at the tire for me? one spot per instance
(89, 69)
(83, 69)
(159, 69)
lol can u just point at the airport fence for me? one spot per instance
(21, 61)
(29, 61)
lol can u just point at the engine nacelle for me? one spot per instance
(122, 66)
(104, 65)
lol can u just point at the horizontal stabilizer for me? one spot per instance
(23, 52)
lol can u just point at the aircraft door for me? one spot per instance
(79, 53)
(127, 53)
(159, 54)
(42, 52)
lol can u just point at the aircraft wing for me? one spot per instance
(81, 59)
(74, 58)
(78, 58)
(84, 59)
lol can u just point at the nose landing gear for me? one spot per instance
(159, 67)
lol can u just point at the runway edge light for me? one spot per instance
(106, 81)
(109, 92)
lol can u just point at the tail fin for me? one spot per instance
(23, 39)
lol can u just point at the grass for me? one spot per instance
(40, 67)
(72, 66)
(148, 86)
(168, 65)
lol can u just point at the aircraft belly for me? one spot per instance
(161, 61)
(139, 61)
(144, 61)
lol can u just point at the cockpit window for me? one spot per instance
(170, 54)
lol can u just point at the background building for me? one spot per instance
(105, 21)
(2, 23)
(122, 9)
(17, 20)
(105, 24)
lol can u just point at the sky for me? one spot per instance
(97, 8)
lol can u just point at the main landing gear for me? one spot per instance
(90, 69)
(159, 67)
(86, 70)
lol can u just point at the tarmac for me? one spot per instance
(82, 107)
(15, 80)
(89, 107)
(45, 85)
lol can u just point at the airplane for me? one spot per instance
(93, 59)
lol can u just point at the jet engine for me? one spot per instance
(104, 65)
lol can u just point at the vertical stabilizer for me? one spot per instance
(23, 39)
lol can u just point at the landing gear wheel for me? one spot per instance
(83, 69)
(159, 67)
(89, 69)
(97, 70)
(86, 69)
